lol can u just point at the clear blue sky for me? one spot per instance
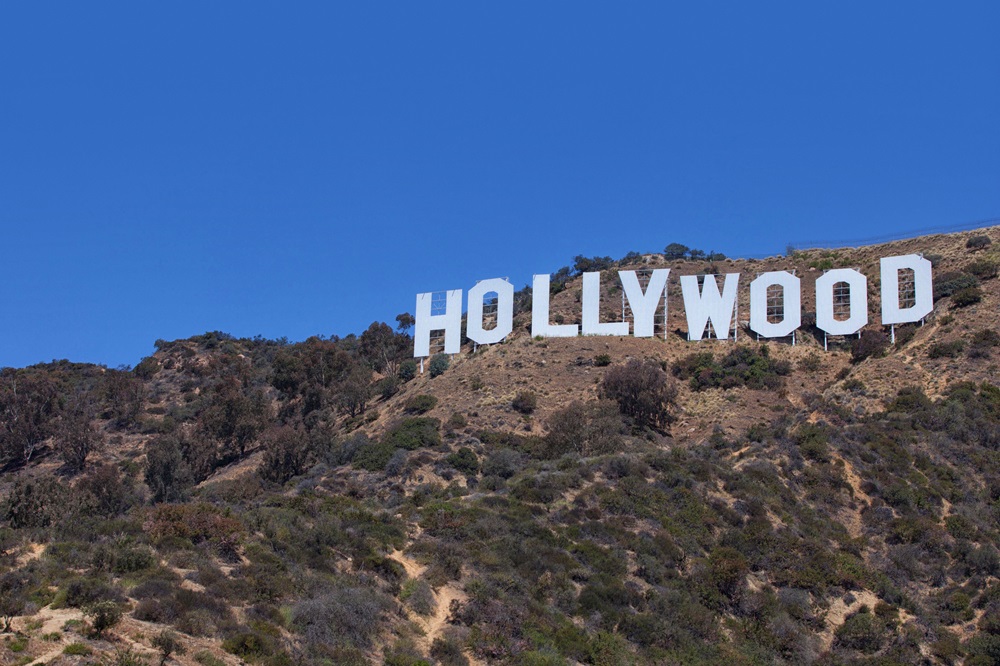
(288, 169)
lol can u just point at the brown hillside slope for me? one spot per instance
(279, 504)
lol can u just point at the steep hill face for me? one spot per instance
(596, 500)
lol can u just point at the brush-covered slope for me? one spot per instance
(561, 501)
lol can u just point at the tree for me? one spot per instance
(235, 416)
(29, 404)
(356, 390)
(582, 264)
(107, 492)
(124, 395)
(404, 322)
(104, 615)
(642, 390)
(167, 473)
(382, 348)
(631, 259)
(14, 588)
(675, 251)
(286, 451)
(34, 501)
(76, 437)
(589, 429)
(168, 643)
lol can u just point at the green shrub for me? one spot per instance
(602, 360)
(946, 349)
(592, 428)
(860, 631)
(206, 658)
(984, 269)
(88, 591)
(439, 364)
(418, 595)
(986, 337)
(342, 615)
(373, 456)
(448, 651)
(982, 342)
(642, 390)
(812, 440)
(810, 363)
(905, 333)
(525, 402)
(168, 474)
(420, 404)
(388, 386)
(407, 370)
(250, 645)
(77, 650)
(124, 656)
(978, 242)
(966, 297)
(168, 643)
(949, 283)
(871, 344)
(103, 616)
(503, 463)
(607, 649)
(147, 368)
(743, 366)
(465, 461)
(414, 433)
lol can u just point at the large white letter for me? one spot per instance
(540, 312)
(592, 309)
(857, 293)
(505, 311)
(644, 306)
(791, 296)
(709, 304)
(923, 289)
(450, 321)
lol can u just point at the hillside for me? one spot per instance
(588, 500)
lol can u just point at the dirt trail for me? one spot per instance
(434, 625)
(52, 623)
(853, 522)
(31, 552)
(839, 610)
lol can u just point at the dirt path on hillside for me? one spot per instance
(839, 610)
(853, 522)
(434, 625)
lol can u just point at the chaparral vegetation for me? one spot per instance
(541, 501)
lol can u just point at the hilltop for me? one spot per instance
(595, 500)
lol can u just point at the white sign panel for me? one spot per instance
(540, 312)
(643, 305)
(857, 294)
(709, 305)
(923, 289)
(505, 311)
(791, 294)
(701, 305)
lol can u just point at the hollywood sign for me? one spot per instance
(703, 304)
